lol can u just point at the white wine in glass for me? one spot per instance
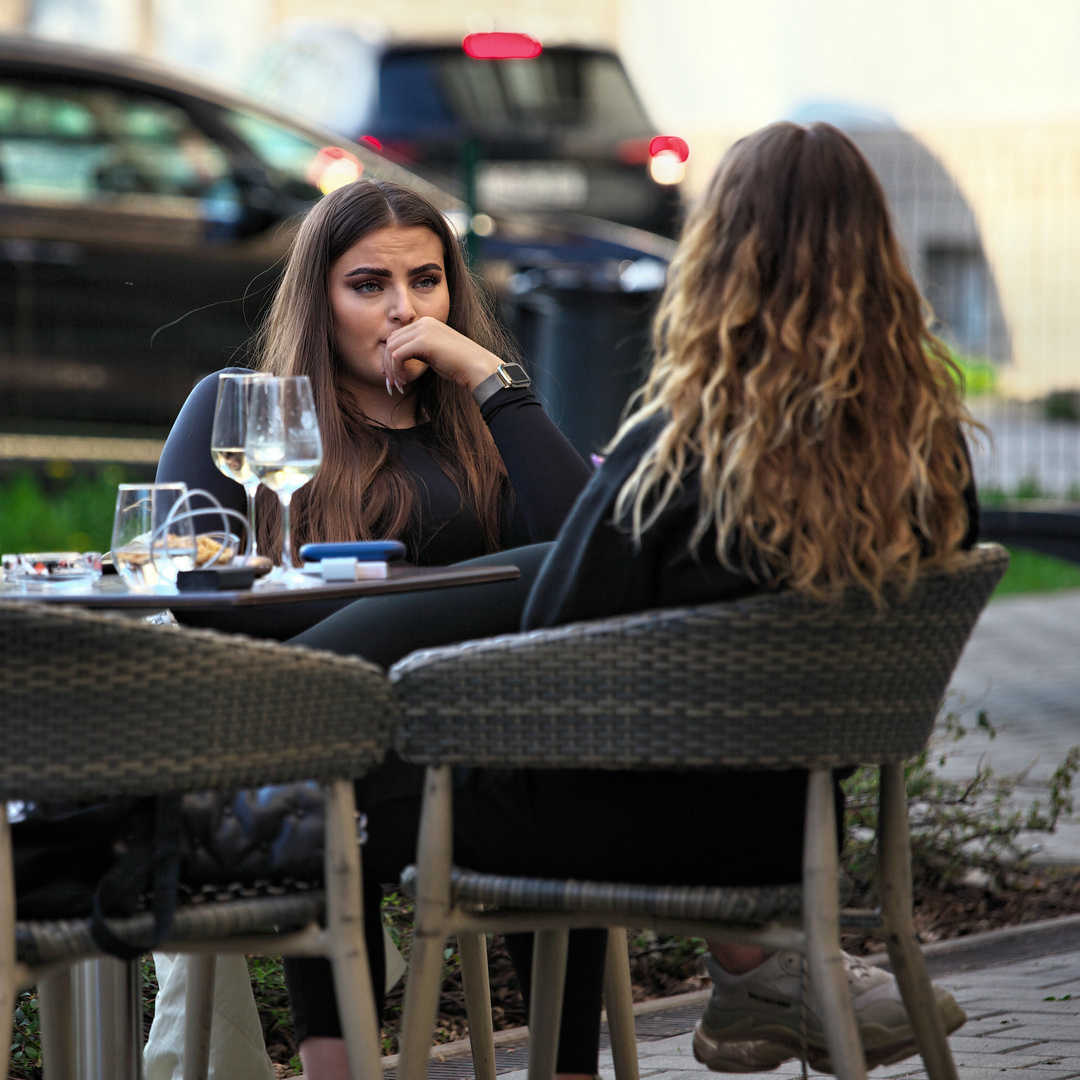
(227, 439)
(283, 447)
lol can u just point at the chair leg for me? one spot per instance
(434, 854)
(57, 1025)
(474, 975)
(345, 927)
(8, 955)
(545, 1013)
(821, 917)
(908, 963)
(198, 1016)
(619, 1002)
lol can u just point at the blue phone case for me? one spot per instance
(362, 550)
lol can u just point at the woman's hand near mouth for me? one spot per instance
(450, 354)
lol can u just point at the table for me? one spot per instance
(111, 592)
(105, 995)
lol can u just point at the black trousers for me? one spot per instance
(714, 828)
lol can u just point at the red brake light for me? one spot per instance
(501, 46)
(371, 141)
(672, 143)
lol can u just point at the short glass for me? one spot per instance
(148, 547)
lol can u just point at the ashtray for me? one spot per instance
(54, 567)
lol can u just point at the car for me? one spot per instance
(512, 124)
(143, 223)
(142, 219)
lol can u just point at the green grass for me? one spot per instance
(1030, 572)
(60, 511)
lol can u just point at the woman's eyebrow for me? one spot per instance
(424, 269)
(374, 271)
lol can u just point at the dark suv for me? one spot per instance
(562, 130)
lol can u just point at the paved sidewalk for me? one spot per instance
(1023, 1012)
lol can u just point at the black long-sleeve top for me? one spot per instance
(596, 570)
(545, 473)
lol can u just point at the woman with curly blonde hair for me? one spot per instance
(800, 428)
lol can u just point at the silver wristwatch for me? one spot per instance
(505, 376)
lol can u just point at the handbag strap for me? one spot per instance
(161, 863)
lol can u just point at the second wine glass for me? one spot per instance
(282, 445)
(227, 440)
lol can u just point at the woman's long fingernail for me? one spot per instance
(388, 389)
(400, 386)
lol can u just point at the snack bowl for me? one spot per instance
(216, 549)
(55, 568)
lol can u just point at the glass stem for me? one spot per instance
(249, 491)
(287, 561)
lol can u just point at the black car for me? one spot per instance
(143, 223)
(142, 218)
(552, 128)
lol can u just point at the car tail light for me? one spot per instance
(668, 154)
(501, 46)
(332, 167)
(374, 143)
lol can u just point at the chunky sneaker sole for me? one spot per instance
(737, 1055)
(760, 1017)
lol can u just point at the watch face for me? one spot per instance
(514, 375)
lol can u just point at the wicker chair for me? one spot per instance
(99, 705)
(775, 681)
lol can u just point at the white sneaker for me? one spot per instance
(756, 1017)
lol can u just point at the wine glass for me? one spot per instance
(282, 445)
(227, 440)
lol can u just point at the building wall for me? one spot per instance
(991, 87)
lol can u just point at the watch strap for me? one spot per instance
(483, 390)
(500, 379)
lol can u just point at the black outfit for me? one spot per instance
(545, 476)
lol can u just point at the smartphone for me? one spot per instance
(362, 550)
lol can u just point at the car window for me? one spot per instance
(412, 98)
(70, 144)
(286, 150)
(560, 88)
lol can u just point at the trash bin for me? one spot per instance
(585, 334)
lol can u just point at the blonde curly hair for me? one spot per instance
(796, 371)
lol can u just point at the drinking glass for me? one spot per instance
(283, 446)
(227, 440)
(148, 548)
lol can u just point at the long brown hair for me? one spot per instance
(362, 491)
(795, 369)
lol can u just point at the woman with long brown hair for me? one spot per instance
(431, 436)
(801, 428)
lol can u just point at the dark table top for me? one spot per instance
(111, 592)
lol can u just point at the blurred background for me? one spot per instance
(969, 111)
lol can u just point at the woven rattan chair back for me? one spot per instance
(94, 704)
(775, 680)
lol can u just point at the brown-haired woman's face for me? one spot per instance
(390, 278)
